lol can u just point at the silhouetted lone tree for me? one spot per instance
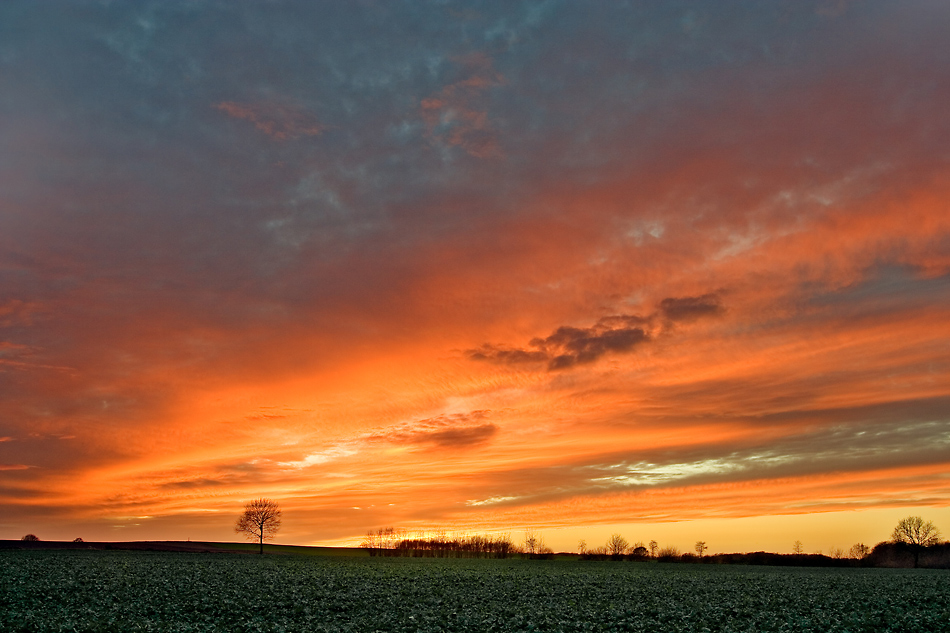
(30, 537)
(917, 534)
(260, 520)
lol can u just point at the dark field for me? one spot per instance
(48, 590)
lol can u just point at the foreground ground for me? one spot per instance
(49, 590)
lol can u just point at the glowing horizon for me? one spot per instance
(678, 269)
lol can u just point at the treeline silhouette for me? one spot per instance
(392, 542)
(884, 554)
(891, 554)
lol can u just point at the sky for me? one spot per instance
(675, 270)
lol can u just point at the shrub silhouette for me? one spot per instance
(668, 554)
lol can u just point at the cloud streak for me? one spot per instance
(569, 346)
(444, 431)
(279, 122)
(691, 308)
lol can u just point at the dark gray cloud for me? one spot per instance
(507, 356)
(457, 437)
(690, 308)
(190, 484)
(569, 346)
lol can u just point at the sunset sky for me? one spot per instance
(677, 270)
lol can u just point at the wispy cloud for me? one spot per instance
(278, 121)
(17, 312)
(453, 117)
(320, 457)
(444, 431)
(491, 501)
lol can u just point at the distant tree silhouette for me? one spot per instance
(797, 548)
(700, 548)
(30, 537)
(916, 534)
(859, 551)
(654, 548)
(582, 547)
(260, 520)
(617, 545)
(533, 543)
(78, 539)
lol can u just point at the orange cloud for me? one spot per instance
(280, 122)
(452, 116)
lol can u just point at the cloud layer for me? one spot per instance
(480, 267)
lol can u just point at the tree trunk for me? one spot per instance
(262, 544)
